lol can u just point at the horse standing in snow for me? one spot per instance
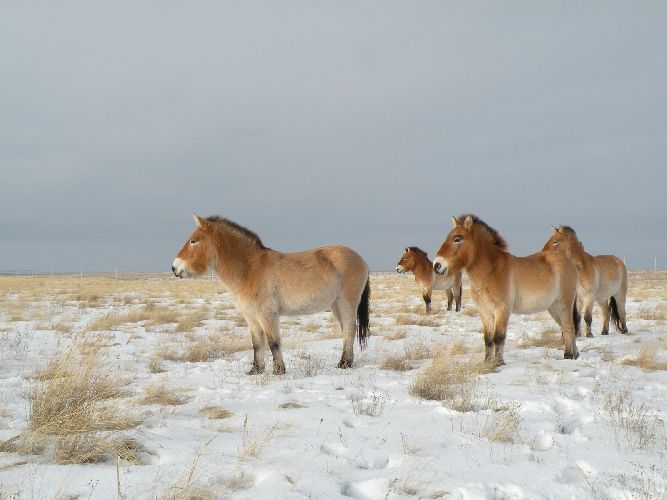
(267, 284)
(501, 283)
(602, 279)
(415, 260)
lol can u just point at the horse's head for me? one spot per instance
(195, 257)
(563, 240)
(407, 262)
(458, 248)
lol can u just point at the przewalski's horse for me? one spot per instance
(502, 284)
(415, 260)
(602, 278)
(267, 284)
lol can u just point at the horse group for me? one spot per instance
(266, 284)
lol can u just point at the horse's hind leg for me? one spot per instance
(257, 346)
(271, 326)
(450, 299)
(587, 311)
(604, 310)
(563, 316)
(345, 316)
(458, 292)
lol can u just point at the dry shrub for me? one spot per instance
(155, 364)
(657, 313)
(454, 383)
(646, 359)
(395, 363)
(160, 394)
(634, 424)
(289, 405)
(458, 347)
(502, 425)
(191, 320)
(417, 349)
(398, 334)
(215, 413)
(252, 447)
(548, 338)
(469, 311)
(150, 314)
(71, 411)
(411, 319)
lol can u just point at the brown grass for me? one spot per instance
(395, 363)
(549, 338)
(502, 425)
(215, 413)
(160, 394)
(646, 359)
(72, 411)
(453, 383)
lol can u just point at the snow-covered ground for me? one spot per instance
(538, 427)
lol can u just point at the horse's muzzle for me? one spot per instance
(399, 269)
(178, 274)
(439, 268)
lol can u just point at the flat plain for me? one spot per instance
(135, 386)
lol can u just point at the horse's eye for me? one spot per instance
(555, 242)
(458, 239)
(192, 242)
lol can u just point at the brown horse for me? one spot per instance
(267, 284)
(602, 279)
(501, 283)
(415, 260)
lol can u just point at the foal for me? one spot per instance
(602, 278)
(415, 260)
(501, 283)
(267, 284)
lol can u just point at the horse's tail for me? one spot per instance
(363, 315)
(615, 317)
(576, 317)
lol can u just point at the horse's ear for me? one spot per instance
(560, 229)
(198, 220)
(455, 222)
(407, 249)
(554, 228)
(468, 223)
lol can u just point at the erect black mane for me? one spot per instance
(418, 250)
(239, 229)
(498, 240)
(568, 229)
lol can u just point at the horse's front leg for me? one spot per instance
(502, 316)
(257, 346)
(271, 327)
(487, 325)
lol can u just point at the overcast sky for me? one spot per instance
(366, 124)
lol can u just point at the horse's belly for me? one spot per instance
(305, 305)
(606, 290)
(528, 303)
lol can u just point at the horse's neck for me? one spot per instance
(235, 258)
(483, 265)
(580, 257)
(423, 269)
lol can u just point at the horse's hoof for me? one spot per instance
(255, 370)
(279, 369)
(604, 333)
(589, 335)
(568, 355)
(344, 363)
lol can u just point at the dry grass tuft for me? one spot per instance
(453, 383)
(548, 338)
(72, 412)
(502, 425)
(290, 405)
(416, 349)
(646, 359)
(160, 394)
(215, 413)
(395, 363)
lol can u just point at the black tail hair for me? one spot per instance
(576, 317)
(616, 318)
(363, 315)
